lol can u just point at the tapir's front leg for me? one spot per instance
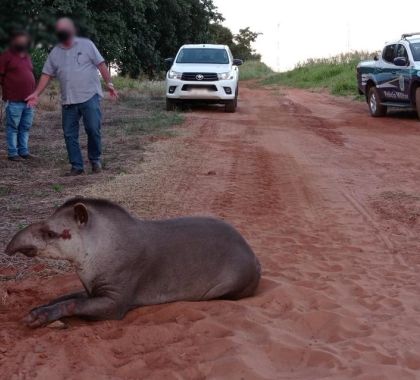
(92, 308)
(67, 297)
(71, 296)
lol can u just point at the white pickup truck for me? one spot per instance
(205, 73)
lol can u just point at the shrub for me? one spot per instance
(254, 70)
(39, 56)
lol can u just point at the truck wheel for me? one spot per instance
(418, 101)
(170, 105)
(231, 105)
(374, 102)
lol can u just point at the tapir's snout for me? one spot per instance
(22, 242)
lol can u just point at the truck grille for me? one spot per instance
(200, 77)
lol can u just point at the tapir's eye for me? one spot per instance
(49, 235)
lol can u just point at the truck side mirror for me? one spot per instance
(168, 63)
(238, 62)
(400, 61)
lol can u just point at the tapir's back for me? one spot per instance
(198, 258)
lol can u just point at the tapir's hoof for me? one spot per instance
(36, 318)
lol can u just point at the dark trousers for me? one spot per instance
(90, 112)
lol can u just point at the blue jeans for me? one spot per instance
(90, 112)
(19, 118)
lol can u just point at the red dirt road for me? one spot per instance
(327, 197)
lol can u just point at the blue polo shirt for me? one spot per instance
(76, 69)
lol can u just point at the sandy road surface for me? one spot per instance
(327, 197)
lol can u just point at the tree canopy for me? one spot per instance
(135, 35)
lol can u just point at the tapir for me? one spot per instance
(124, 262)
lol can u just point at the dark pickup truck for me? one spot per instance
(393, 79)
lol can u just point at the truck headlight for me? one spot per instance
(174, 75)
(225, 76)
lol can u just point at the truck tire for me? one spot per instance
(231, 105)
(375, 107)
(418, 101)
(170, 105)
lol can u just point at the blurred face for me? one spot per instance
(20, 44)
(65, 30)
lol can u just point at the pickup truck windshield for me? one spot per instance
(415, 49)
(203, 55)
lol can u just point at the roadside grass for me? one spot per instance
(153, 89)
(58, 188)
(30, 190)
(4, 191)
(336, 74)
(159, 123)
(254, 70)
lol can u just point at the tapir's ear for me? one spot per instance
(81, 213)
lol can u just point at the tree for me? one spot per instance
(240, 44)
(219, 34)
(242, 47)
(135, 35)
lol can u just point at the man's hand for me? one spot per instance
(32, 100)
(112, 91)
(103, 69)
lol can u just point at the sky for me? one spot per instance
(296, 30)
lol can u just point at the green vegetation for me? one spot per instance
(21, 226)
(39, 56)
(143, 102)
(254, 70)
(152, 89)
(134, 36)
(5, 191)
(158, 124)
(57, 187)
(337, 74)
(240, 44)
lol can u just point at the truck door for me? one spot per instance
(404, 75)
(388, 74)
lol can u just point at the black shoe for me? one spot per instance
(14, 158)
(96, 168)
(27, 157)
(75, 172)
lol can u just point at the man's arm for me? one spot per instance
(99, 61)
(2, 68)
(32, 100)
(1, 83)
(107, 79)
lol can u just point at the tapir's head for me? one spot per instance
(58, 237)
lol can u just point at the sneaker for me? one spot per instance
(75, 172)
(14, 158)
(96, 168)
